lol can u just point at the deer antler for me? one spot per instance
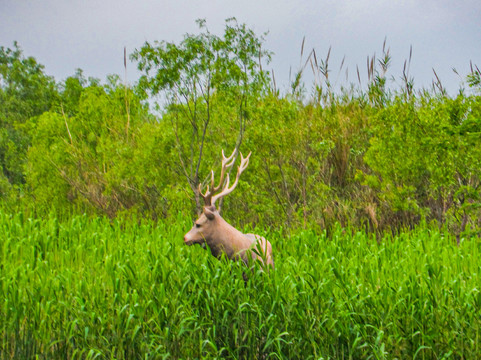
(208, 196)
(227, 190)
(227, 163)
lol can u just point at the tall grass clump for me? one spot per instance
(95, 288)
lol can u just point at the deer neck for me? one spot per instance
(227, 239)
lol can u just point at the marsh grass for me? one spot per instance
(92, 288)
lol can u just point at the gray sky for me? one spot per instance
(90, 34)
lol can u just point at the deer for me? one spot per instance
(222, 238)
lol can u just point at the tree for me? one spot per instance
(25, 92)
(195, 77)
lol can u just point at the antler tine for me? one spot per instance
(212, 180)
(227, 190)
(244, 162)
(207, 196)
(227, 162)
(225, 165)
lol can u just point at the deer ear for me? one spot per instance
(209, 211)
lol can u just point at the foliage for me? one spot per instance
(427, 157)
(97, 155)
(474, 78)
(25, 92)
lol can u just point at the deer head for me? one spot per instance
(210, 225)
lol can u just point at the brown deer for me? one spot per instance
(211, 229)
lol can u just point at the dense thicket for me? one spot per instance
(375, 158)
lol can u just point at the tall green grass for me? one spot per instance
(92, 288)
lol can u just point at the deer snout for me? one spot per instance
(188, 239)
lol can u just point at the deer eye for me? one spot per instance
(197, 225)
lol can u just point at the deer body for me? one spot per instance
(222, 238)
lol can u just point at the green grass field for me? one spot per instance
(90, 288)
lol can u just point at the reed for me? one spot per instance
(90, 288)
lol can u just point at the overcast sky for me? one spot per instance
(90, 34)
